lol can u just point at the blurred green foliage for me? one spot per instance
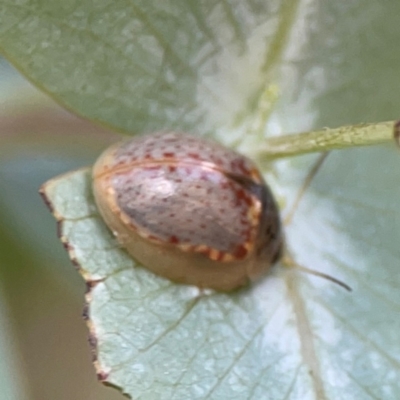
(40, 293)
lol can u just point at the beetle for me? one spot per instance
(189, 209)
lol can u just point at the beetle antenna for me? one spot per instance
(289, 262)
(310, 176)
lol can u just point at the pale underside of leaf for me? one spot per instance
(159, 340)
(278, 339)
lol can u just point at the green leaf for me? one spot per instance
(289, 335)
(164, 340)
(148, 65)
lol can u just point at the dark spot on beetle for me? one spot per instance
(173, 239)
(241, 195)
(240, 252)
(194, 155)
(151, 167)
(240, 164)
(168, 154)
(224, 185)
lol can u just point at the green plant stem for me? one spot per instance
(327, 139)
